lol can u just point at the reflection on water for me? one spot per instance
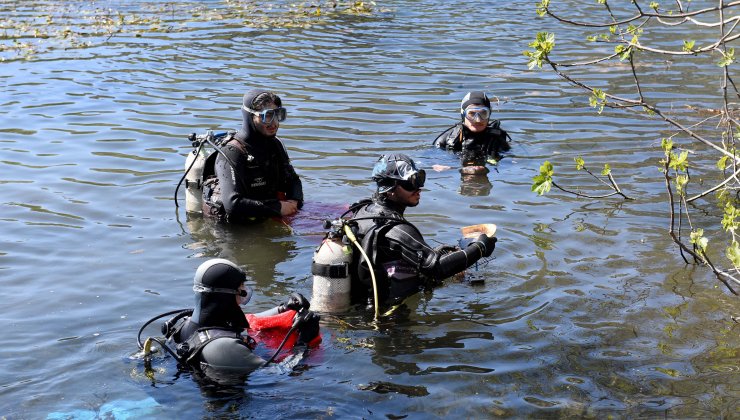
(475, 185)
(585, 311)
(259, 248)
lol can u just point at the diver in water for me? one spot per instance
(477, 138)
(252, 178)
(210, 338)
(402, 261)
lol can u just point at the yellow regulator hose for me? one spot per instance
(353, 239)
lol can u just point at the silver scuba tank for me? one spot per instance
(194, 179)
(331, 276)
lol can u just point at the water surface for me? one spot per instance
(587, 309)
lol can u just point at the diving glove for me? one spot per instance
(486, 244)
(308, 329)
(296, 302)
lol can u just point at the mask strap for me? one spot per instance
(201, 288)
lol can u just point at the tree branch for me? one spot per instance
(641, 14)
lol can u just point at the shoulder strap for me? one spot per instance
(443, 132)
(241, 146)
(195, 344)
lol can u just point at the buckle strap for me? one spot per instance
(333, 271)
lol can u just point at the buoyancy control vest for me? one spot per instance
(219, 348)
(396, 279)
(190, 349)
(256, 177)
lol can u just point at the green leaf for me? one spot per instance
(654, 5)
(722, 163)
(543, 45)
(729, 218)
(580, 164)
(733, 254)
(681, 182)
(543, 182)
(727, 58)
(688, 46)
(542, 7)
(625, 54)
(679, 162)
(597, 100)
(667, 145)
(607, 170)
(698, 239)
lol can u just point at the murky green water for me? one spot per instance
(587, 309)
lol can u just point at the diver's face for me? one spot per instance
(266, 129)
(476, 118)
(405, 197)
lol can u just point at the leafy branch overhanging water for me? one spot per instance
(626, 27)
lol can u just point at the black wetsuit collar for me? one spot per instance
(393, 206)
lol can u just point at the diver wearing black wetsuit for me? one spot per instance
(403, 261)
(476, 137)
(255, 179)
(211, 339)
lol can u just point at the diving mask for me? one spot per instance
(477, 113)
(267, 116)
(414, 182)
(244, 294)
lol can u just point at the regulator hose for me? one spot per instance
(208, 139)
(353, 239)
(297, 320)
(147, 345)
(196, 151)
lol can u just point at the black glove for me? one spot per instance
(308, 328)
(296, 302)
(486, 244)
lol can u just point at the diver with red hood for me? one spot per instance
(251, 177)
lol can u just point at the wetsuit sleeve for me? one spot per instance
(239, 207)
(407, 240)
(290, 181)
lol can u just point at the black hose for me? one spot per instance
(298, 320)
(169, 350)
(197, 151)
(280, 347)
(138, 336)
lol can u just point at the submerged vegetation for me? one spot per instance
(32, 28)
(634, 34)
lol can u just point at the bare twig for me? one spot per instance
(586, 195)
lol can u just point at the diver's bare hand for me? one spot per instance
(288, 207)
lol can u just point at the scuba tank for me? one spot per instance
(331, 272)
(194, 165)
